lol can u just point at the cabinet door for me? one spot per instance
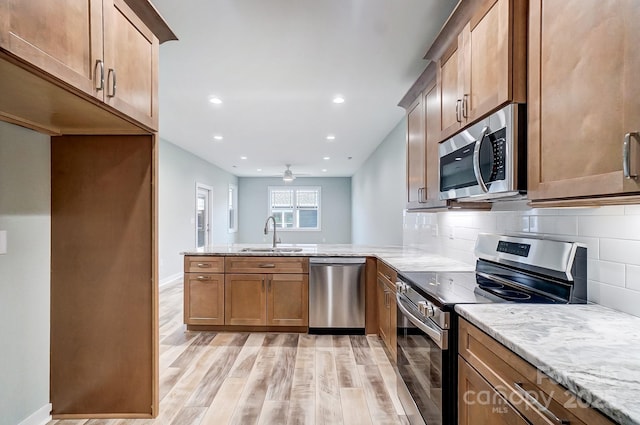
(131, 62)
(415, 154)
(245, 299)
(204, 299)
(487, 79)
(384, 322)
(63, 38)
(450, 92)
(287, 300)
(479, 403)
(584, 97)
(432, 139)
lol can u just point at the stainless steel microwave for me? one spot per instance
(487, 160)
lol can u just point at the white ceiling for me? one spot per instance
(276, 65)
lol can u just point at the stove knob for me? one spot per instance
(401, 287)
(422, 307)
(429, 311)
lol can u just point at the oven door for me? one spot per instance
(422, 366)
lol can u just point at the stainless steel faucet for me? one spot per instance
(266, 229)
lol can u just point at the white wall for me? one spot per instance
(612, 236)
(253, 210)
(25, 213)
(379, 192)
(179, 171)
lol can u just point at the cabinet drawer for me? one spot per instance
(522, 384)
(387, 274)
(267, 265)
(203, 264)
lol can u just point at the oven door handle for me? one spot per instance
(438, 335)
(476, 160)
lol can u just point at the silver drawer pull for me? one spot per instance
(544, 410)
(267, 266)
(204, 265)
(203, 278)
(626, 156)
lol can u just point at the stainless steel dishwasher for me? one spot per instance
(336, 294)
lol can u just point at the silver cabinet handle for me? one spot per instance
(626, 156)
(458, 119)
(111, 76)
(204, 278)
(544, 410)
(99, 81)
(204, 265)
(465, 106)
(476, 160)
(267, 266)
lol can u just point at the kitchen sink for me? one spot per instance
(271, 250)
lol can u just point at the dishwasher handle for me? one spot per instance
(335, 261)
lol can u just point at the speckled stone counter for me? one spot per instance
(403, 259)
(592, 350)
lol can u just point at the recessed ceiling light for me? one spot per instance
(215, 100)
(338, 99)
(331, 137)
(259, 169)
(324, 170)
(218, 137)
(243, 157)
(326, 158)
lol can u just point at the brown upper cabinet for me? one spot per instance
(423, 120)
(481, 56)
(99, 47)
(584, 101)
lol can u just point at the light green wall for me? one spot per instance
(179, 171)
(253, 210)
(379, 190)
(25, 213)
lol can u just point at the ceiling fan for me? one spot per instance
(288, 176)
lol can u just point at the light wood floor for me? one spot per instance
(266, 378)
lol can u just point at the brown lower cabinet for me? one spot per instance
(267, 299)
(254, 292)
(490, 374)
(387, 309)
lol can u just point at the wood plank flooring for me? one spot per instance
(209, 378)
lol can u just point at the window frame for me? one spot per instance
(296, 227)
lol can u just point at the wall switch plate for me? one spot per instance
(3, 241)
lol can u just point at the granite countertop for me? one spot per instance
(591, 350)
(403, 259)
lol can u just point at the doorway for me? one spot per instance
(203, 215)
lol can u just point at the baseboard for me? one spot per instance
(39, 417)
(170, 279)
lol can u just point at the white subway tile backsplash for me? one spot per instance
(554, 225)
(620, 250)
(508, 223)
(611, 234)
(606, 272)
(632, 209)
(613, 297)
(615, 227)
(633, 277)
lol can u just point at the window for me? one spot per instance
(295, 208)
(233, 208)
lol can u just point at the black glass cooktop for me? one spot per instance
(468, 288)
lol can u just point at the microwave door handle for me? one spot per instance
(476, 160)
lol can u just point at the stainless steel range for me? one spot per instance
(508, 269)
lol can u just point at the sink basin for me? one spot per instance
(271, 250)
